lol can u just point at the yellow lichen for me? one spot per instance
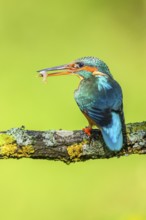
(75, 151)
(6, 139)
(8, 150)
(25, 151)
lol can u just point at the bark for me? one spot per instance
(68, 146)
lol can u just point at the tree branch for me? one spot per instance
(67, 146)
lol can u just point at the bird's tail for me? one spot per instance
(112, 133)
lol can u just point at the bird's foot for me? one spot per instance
(87, 130)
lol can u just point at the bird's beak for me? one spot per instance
(65, 70)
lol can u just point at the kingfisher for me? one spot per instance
(99, 97)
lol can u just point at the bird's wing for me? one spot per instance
(107, 100)
(105, 110)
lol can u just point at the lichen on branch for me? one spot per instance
(67, 146)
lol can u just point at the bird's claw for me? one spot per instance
(87, 130)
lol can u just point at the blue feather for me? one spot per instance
(100, 98)
(112, 133)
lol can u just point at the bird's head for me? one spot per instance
(85, 68)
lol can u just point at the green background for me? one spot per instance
(39, 34)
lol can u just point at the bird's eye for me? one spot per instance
(78, 65)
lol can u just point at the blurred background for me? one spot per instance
(40, 34)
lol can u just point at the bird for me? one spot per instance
(99, 97)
